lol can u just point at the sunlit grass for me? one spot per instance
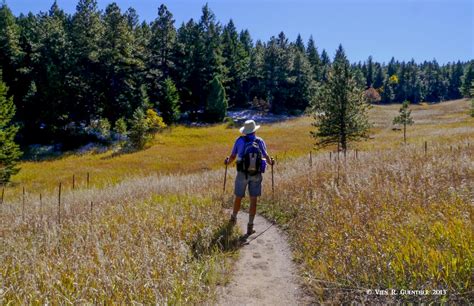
(397, 217)
(150, 240)
(394, 219)
(190, 149)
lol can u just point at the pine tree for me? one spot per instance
(278, 67)
(162, 44)
(369, 76)
(299, 44)
(455, 81)
(390, 82)
(50, 106)
(303, 88)
(325, 65)
(9, 150)
(256, 78)
(119, 66)
(169, 106)
(413, 85)
(10, 51)
(359, 72)
(314, 59)
(340, 108)
(379, 77)
(246, 41)
(467, 79)
(216, 108)
(132, 18)
(236, 61)
(85, 80)
(434, 86)
(186, 70)
(208, 55)
(404, 118)
(12, 58)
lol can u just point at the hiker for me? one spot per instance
(252, 158)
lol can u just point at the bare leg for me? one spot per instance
(237, 202)
(253, 209)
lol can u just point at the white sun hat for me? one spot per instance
(249, 127)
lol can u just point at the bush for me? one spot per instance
(101, 129)
(120, 129)
(230, 123)
(372, 95)
(143, 126)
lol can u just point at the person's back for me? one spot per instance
(250, 153)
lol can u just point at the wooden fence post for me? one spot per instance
(310, 159)
(23, 205)
(59, 203)
(3, 195)
(73, 181)
(88, 180)
(426, 147)
(330, 155)
(41, 206)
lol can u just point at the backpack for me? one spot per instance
(252, 159)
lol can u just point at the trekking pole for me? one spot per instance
(273, 181)
(225, 176)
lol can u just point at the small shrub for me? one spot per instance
(143, 126)
(154, 122)
(101, 129)
(372, 95)
(230, 123)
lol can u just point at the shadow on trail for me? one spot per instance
(225, 239)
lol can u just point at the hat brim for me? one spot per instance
(244, 131)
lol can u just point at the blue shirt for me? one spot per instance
(239, 146)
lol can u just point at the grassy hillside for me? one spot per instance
(395, 218)
(188, 150)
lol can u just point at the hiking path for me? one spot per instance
(264, 274)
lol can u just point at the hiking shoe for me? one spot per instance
(233, 220)
(250, 230)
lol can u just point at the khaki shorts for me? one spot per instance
(254, 183)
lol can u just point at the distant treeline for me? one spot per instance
(66, 71)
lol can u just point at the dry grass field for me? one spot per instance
(186, 149)
(395, 217)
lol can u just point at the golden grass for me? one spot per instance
(187, 150)
(150, 240)
(397, 218)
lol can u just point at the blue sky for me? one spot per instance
(405, 29)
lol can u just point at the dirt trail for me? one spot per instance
(264, 274)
